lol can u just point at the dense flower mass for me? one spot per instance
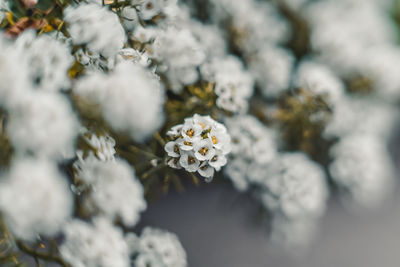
(200, 144)
(298, 97)
(156, 248)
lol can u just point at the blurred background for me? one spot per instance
(220, 227)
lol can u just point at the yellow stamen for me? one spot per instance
(187, 143)
(203, 151)
(214, 140)
(190, 132)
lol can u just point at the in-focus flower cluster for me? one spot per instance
(200, 144)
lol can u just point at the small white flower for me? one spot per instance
(217, 161)
(200, 144)
(172, 148)
(174, 163)
(191, 130)
(203, 150)
(189, 161)
(207, 171)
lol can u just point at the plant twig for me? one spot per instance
(41, 255)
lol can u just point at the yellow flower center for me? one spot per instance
(187, 143)
(190, 132)
(214, 140)
(203, 151)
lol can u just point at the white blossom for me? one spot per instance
(96, 27)
(42, 124)
(200, 144)
(362, 169)
(252, 144)
(295, 187)
(180, 55)
(156, 248)
(361, 115)
(47, 71)
(130, 99)
(34, 199)
(272, 67)
(115, 190)
(94, 245)
(319, 79)
(233, 85)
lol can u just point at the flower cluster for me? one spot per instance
(156, 248)
(199, 144)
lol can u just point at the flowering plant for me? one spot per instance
(106, 103)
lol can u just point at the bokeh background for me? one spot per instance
(220, 227)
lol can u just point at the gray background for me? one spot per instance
(219, 228)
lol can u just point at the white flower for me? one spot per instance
(42, 124)
(158, 247)
(199, 144)
(130, 99)
(234, 85)
(217, 161)
(34, 199)
(47, 71)
(252, 144)
(362, 169)
(272, 67)
(14, 76)
(103, 145)
(133, 55)
(175, 131)
(149, 8)
(172, 149)
(116, 191)
(207, 171)
(294, 186)
(361, 115)
(130, 18)
(319, 79)
(96, 27)
(180, 54)
(94, 245)
(203, 150)
(189, 161)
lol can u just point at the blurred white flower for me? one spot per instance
(361, 115)
(96, 27)
(294, 186)
(94, 245)
(319, 79)
(115, 190)
(47, 71)
(362, 170)
(179, 54)
(34, 199)
(130, 99)
(272, 67)
(42, 124)
(234, 85)
(252, 144)
(156, 247)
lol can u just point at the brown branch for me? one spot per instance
(41, 255)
